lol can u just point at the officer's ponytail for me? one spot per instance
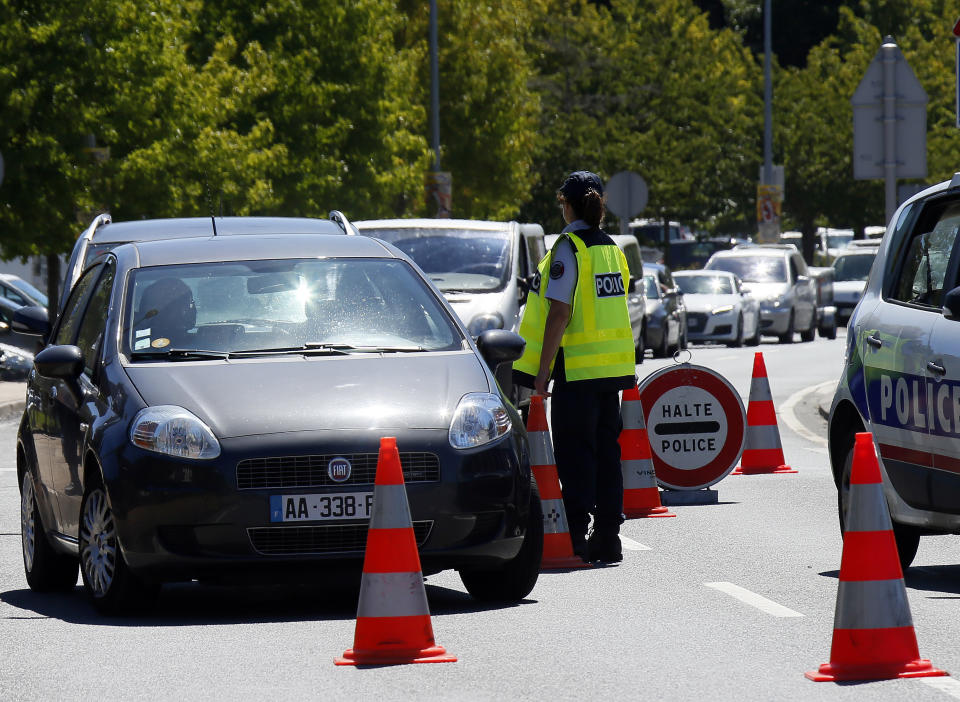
(591, 209)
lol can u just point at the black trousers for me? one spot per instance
(586, 425)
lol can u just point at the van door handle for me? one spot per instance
(936, 368)
(874, 341)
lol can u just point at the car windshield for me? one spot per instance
(470, 260)
(704, 284)
(753, 269)
(838, 241)
(853, 267)
(30, 291)
(316, 305)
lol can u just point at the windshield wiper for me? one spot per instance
(182, 354)
(308, 349)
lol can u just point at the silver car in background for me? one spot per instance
(850, 272)
(483, 268)
(777, 276)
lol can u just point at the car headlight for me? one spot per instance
(723, 310)
(479, 419)
(483, 322)
(173, 431)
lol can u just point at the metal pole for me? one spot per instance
(889, 60)
(767, 98)
(434, 86)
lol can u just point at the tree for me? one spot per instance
(488, 108)
(623, 90)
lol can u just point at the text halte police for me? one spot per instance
(687, 443)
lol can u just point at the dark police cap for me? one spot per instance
(578, 183)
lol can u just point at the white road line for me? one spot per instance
(790, 417)
(632, 545)
(754, 600)
(951, 686)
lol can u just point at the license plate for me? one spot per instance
(322, 507)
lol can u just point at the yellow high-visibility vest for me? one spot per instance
(598, 341)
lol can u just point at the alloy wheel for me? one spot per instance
(28, 522)
(98, 543)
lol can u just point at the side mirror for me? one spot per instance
(31, 320)
(951, 304)
(63, 362)
(499, 346)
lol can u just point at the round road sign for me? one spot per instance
(626, 194)
(696, 425)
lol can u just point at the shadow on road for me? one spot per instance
(937, 578)
(193, 604)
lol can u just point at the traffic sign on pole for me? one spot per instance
(696, 424)
(889, 123)
(626, 196)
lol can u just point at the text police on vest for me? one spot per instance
(609, 284)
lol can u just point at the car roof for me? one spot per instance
(252, 248)
(432, 223)
(754, 251)
(702, 273)
(186, 227)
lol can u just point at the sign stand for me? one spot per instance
(704, 496)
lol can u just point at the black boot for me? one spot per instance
(604, 546)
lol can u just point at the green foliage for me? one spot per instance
(624, 90)
(159, 108)
(488, 109)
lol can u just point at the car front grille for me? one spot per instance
(311, 471)
(320, 539)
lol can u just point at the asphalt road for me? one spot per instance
(729, 601)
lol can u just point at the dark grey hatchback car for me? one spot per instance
(211, 407)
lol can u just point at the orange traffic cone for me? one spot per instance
(641, 497)
(762, 450)
(393, 618)
(873, 637)
(557, 545)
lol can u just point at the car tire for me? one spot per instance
(755, 339)
(46, 570)
(738, 339)
(787, 336)
(515, 580)
(110, 584)
(906, 536)
(811, 333)
(663, 349)
(639, 349)
(829, 332)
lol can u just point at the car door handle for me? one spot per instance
(936, 368)
(874, 341)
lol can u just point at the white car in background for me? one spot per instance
(718, 308)
(851, 268)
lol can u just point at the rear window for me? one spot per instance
(752, 269)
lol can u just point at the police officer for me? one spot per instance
(578, 334)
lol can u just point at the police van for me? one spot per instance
(901, 374)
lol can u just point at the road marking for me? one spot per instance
(632, 545)
(789, 414)
(951, 686)
(754, 600)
